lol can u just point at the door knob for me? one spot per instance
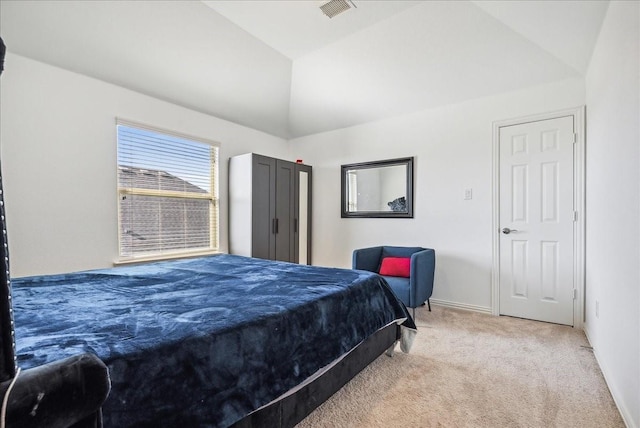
(507, 231)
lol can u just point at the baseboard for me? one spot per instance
(624, 412)
(464, 306)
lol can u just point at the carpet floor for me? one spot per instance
(468, 369)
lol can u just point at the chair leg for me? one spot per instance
(429, 303)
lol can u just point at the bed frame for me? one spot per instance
(291, 409)
(307, 387)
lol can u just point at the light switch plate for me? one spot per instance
(468, 194)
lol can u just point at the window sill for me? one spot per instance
(161, 257)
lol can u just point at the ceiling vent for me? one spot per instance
(334, 7)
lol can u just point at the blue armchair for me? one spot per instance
(415, 290)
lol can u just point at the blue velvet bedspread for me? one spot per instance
(200, 342)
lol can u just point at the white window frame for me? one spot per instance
(212, 196)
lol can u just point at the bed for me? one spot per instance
(211, 341)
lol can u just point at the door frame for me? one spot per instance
(578, 114)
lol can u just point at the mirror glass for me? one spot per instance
(378, 189)
(303, 215)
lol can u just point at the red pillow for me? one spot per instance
(396, 266)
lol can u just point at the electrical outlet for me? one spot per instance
(597, 309)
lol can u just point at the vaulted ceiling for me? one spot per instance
(284, 68)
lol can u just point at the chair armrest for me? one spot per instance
(423, 265)
(59, 394)
(367, 259)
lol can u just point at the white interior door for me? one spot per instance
(536, 220)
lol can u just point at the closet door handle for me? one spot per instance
(274, 225)
(295, 225)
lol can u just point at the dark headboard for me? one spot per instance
(7, 343)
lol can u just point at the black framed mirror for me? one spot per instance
(378, 189)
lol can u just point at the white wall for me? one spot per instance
(452, 146)
(613, 205)
(178, 51)
(58, 147)
(432, 54)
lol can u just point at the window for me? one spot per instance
(168, 196)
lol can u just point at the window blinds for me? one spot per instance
(167, 188)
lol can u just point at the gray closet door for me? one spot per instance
(285, 211)
(264, 207)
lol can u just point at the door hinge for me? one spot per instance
(575, 294)
(575, 138)
(575, 216)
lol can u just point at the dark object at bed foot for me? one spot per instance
(62, 394)
(292, 409)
